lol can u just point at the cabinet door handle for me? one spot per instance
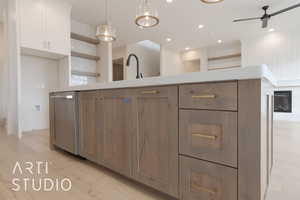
(150, 92)
(204, 189)
(207, 96)
(205, 136)
(62, 97)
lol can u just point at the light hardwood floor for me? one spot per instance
(285, 180)
(90, 182)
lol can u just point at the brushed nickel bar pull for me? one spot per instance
(150, 92)
(208, 96)
(210, 191)
(205, 136)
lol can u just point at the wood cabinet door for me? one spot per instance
(116, 120)
(32, 21)
(156, 139)
(87, 123)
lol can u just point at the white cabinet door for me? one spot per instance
(58, 22)
(32, 24)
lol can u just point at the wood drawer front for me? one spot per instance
(209, 135)
(214, 96)
(204, 180)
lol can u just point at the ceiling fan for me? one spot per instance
(266, 17)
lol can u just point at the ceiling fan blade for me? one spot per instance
(246, 19)
(265, 22)
(285, 10)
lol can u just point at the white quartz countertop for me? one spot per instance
(251, 72)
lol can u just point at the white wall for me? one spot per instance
(194, 55)
(39, 77)
(149, 59)
(170, 62)
(3, 77)
(12, 47)
(279, 50)
(224, 50)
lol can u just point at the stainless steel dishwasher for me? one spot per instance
(64, 121)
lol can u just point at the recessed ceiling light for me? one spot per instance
(271, 29)
(168, 39)
(169, 1)
(187, 48)
(200, 26)
(220, 41)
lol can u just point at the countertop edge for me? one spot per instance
(244, 73)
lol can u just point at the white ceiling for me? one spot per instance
(180, 19)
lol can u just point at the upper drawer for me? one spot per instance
(209, 135)
(214, 96)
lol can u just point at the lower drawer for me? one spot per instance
(205, 180)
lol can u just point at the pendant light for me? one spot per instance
(106, 32)
(212, 1)
(146, 17)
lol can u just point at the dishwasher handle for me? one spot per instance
(62, 97)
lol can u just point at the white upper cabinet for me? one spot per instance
(45, 26)
(32, 24)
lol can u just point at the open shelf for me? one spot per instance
(85, 56)
(80, 73)
(225, 57)
(83, 38)
(210, 68)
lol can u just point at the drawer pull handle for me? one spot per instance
(150, 92)
(204, 189)
(208, 96)
(205, 136)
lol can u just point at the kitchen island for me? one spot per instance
(203, 135)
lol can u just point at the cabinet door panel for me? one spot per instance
(116, 128)
(32, 21)
(204, 180)
(58, 15)
(87, 119)
(156, 139)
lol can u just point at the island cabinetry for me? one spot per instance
(88, 107)
(156, 139)
(116, 128)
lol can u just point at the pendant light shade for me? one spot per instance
(106, 32)
(146, 16)
(212, 1)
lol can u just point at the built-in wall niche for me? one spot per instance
(192, 65)
(283, 101)
(224, 56)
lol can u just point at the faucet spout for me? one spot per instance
(138, 76)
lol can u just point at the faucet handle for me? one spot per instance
(141, 74)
